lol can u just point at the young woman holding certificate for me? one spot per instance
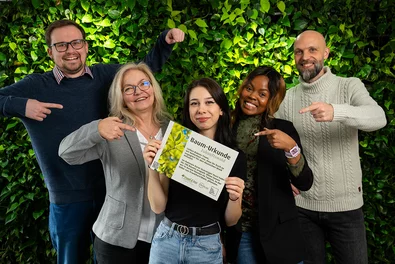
(190, 231)
(269, 225)
(126, 224)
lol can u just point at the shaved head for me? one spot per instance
(311, 34)
(310, 51)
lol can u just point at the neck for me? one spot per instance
(144, 119)
(208, 133)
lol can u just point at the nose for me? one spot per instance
(69, 48)
(201, 108)
(252, 95)
(305, 55)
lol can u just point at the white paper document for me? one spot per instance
(194, 160)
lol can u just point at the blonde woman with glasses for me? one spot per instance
(126, 223)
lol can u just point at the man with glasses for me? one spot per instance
(52, 105)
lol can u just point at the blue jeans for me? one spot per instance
(345, 231)
(169, 246)
(70, 227)
(250, 251)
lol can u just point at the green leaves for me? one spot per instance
(224, 40)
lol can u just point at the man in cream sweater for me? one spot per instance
(327, 112)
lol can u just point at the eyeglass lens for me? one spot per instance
(131, 89)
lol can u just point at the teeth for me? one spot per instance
(249, 104)
(140, 99)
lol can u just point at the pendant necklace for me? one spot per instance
(150, 136)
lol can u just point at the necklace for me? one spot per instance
(150, 136)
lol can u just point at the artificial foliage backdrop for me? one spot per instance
(225, 40)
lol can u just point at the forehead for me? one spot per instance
(199, 92)
(65, 34)
(309, 40)
(133, 76)
(260, 82)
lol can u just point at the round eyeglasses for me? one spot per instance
(131, 89)
(63, 46)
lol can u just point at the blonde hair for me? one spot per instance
(115, 96)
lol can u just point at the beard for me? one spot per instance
(309, 74)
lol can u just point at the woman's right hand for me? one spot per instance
(111, 128)
(151, 149)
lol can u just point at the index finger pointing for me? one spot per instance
(304, 110)
(51, 105)
(265, 132)
(127, 127)
(310, 108)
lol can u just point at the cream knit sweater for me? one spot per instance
(331, 148)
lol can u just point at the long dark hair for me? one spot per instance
(223, 133)
(277, 93)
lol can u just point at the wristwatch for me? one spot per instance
(293, 152)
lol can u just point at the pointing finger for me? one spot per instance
(265, 132)
(310, 108)
(127, 127)
(51, 105)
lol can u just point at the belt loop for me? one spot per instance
(219, 227)
(173, 228)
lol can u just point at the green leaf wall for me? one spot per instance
(224, 40)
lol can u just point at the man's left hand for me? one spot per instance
(321, 112)
(175, 35)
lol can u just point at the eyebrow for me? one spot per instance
(125, 84)
(261, 89)
(195, 99)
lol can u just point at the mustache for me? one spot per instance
(301, 62)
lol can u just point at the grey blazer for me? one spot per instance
(124, 168)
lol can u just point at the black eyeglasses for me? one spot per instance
(131, 89)
(63, 46)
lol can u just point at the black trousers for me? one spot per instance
(107, 253)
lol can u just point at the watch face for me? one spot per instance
(294, 151)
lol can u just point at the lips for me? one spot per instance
(70, 58)
(249, 105)
(202, 119)
(306, 63)
(140, 99)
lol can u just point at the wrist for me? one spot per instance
(293, 152)
(234, 200)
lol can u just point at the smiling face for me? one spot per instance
(310, 52)
(71, 62)
(204, 112)
(255, 96)
(139, 101)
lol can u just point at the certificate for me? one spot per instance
(194, 160)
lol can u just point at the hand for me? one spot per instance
(235, 187)
(37, 110)
(322, 112)
(112, 128)
(151, 149)
(295, 190)
(175, 35)
(278, 139)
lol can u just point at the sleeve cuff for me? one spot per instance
(297, 168)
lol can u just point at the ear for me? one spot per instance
(49, 51)
(326, 53)
(221, 113)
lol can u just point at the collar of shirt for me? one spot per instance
(59, 74)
